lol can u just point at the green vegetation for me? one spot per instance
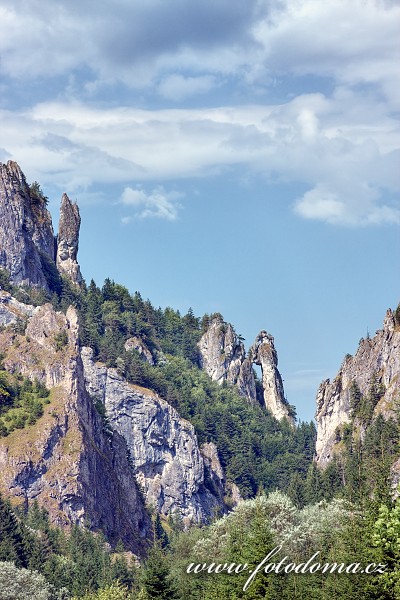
(62, 564)
(37, 195)
(5, 281)
(344, 512)
(54, 565)
(21, 402)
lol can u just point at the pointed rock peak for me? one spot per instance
(12, 170)
(68, 240)
(263, 353)
(263, 348)
(26, 231)
(389, 322)
(221, 351)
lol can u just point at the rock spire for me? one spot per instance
(223, 357)
(68, 240)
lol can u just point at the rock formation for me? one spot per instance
(263, 353)
(223, 357)
(28, 249)
(379, 358)
(26, 232)
(221, 351)
(135, 343)
(68, 461)
(12, 311)
(163, 447)
(68, 240)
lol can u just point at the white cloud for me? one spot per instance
(176, 87)
(158, 203)
(352, 44)
(344, 148)
(253, 41)
(353, 205)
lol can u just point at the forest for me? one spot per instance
(344, 513)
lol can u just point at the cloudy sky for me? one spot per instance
(240, 157)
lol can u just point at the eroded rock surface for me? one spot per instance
(26, 232)
(376, 357)
(67, 460)
(263, 353)
(224, 358)
(163, 447)
(68, 240)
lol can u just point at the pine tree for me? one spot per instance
(11, 540)
(156, 577)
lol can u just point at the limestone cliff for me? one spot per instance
(68, 240)
(163, 447)
(378, 358)
(68, 461)
(263, 353)
(29, 251)
(222, 352)
(223, 357)
(26, 231)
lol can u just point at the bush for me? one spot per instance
(23, 584)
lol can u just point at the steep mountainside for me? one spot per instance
(367, 385)
(137, 394)
(163, 447)
(66, 460)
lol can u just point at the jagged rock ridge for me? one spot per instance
(377, 357)
(26, 232)
(29, 252)
(223, 357)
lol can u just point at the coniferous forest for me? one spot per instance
(342, 514)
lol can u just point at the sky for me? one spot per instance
(239, 157)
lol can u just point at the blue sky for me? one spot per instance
(233, 157)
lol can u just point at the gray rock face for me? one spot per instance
(135, 343)
(68, 240)
(11, 310)
(221, 351)
(263, 353)
(163, 447)
(378, 356)
(67, 460)
(223, 357)
(26, 232)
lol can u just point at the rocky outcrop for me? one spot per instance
(135, 343)
(12, 311)
(26, 232)
(376, 358)
(68, 240)
(68, 460)
(263, 353)
(221, 351)
(223, 357)
(246, 382)
(163, 447)
(28, 249)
